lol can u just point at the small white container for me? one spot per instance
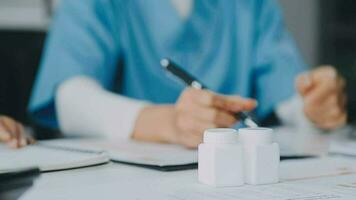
(220, 161)
(261, 156)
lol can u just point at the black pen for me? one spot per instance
(297, 157)
(193, 82)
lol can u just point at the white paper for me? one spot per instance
(341, 188)
(117, 181)
(292, 170)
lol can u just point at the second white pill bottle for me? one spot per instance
(261, 156)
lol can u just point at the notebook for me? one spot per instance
(163, 157)
(49, 157)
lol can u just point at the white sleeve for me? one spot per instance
(84, 107)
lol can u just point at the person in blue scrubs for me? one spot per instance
(238, 48)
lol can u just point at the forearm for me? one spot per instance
(155, 124)
(85, 108)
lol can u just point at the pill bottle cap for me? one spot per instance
(255, 136)
(221, 136)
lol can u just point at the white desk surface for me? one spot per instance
(324, 178)
(118, 181)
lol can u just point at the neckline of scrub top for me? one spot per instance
(201, 16)
(198, 26)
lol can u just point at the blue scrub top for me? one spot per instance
(235, 47)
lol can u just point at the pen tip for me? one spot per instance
(250, 123)
(165, 62)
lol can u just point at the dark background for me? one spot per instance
(20, 53)
(338, 43)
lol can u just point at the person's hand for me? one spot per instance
(13, 134)
(184, 123)
(198, 110)
(324, 98)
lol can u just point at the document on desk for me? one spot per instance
(125, 182)
(340, 188)
(48, 157)
(310, 179)
(293, 170)
(325, 178)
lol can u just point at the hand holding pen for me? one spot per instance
(189, 80)
(196, 110)
(185, 121)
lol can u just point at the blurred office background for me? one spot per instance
(325, 31)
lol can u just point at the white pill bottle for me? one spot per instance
(220, 161)
(261, 156)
